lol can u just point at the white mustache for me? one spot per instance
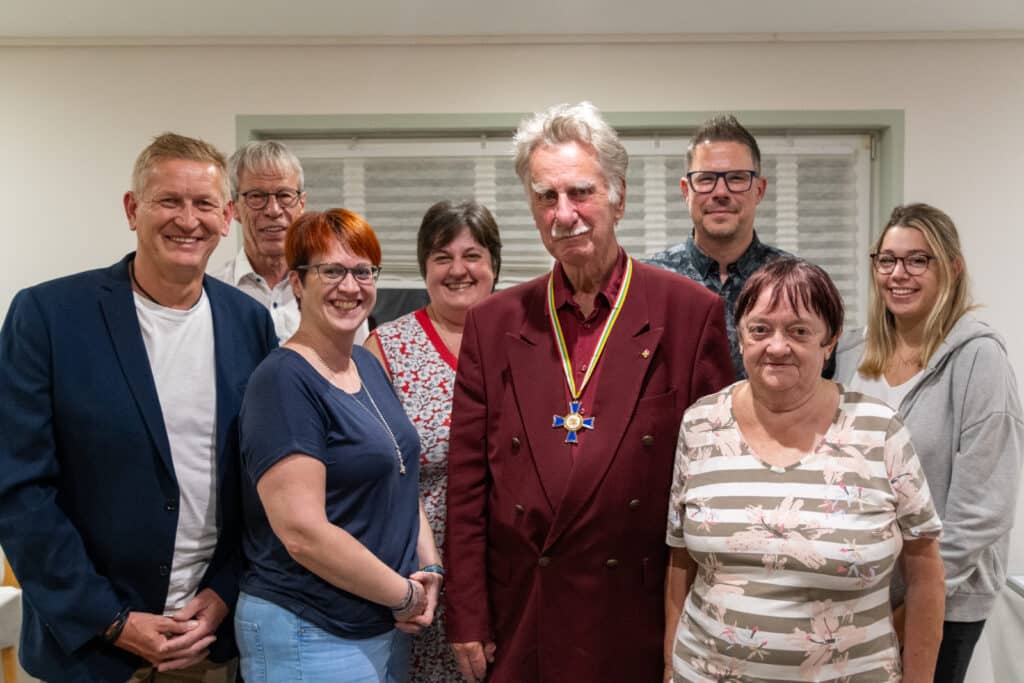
(579, 229)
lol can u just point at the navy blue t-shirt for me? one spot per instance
(290, 408)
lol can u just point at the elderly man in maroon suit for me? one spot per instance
(568, 399)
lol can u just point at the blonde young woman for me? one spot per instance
(948, 375)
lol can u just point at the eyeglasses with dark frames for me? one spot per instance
(258, 199)
(915, 263)
(333, 273)
(703, 182)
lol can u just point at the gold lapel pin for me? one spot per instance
(645, 354)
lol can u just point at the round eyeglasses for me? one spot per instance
(258, 199)
(704, 182)
(333, 273)
(913, 264)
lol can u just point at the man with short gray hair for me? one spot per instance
(266, 195)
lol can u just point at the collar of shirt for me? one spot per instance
(750, 260)
(242, 268)
(605, 297)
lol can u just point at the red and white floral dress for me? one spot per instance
(422, 370)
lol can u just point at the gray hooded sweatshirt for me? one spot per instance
(965, 421)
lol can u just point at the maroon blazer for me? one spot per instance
(563, 564)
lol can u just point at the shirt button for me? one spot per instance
(544, 561)
(164, 570)
(171, 505)
(583, 368)
(275, 304)
(515, 442)
(520, 508)
(611, 563)
(647, 440)
(634, 504)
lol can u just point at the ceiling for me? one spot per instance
(26, 22)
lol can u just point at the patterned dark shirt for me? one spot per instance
(688, 260)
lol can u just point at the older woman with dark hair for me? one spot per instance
(331, 466)
(793, 499)
(459, 252)
(948, 375)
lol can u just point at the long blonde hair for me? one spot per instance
(954, 296)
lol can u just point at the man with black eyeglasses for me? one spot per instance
(267, 195)
(722, 187)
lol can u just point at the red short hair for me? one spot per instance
(312, 233)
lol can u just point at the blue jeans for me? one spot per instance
(277, 646)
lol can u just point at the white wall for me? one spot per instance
(73, 119)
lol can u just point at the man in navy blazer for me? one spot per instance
(119, 504)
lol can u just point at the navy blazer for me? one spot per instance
(88, 495)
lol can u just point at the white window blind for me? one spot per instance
(817, 205)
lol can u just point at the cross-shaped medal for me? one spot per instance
(573, 422)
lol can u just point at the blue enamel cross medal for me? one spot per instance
(573, 422)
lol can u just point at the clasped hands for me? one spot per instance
(420, 614)
(180, 640)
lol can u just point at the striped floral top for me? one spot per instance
(794, 563)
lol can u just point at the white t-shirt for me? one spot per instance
(880, 388)
(181, 354)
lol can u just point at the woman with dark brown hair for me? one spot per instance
(459, 253)
(793, 500)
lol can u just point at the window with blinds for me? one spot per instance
(817, 205)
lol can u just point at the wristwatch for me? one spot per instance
(113, 631)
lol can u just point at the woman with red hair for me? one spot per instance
(331, 464)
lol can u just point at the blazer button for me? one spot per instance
(164, 570)
(171, 505)
(544, 561)
(520, 508)
(515, 442)
(634, 504)
(611, 563)
(647, 440)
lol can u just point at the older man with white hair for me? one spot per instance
(568, 399)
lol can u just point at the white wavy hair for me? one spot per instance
(580, 123)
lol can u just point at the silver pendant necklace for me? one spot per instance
(380, 415)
